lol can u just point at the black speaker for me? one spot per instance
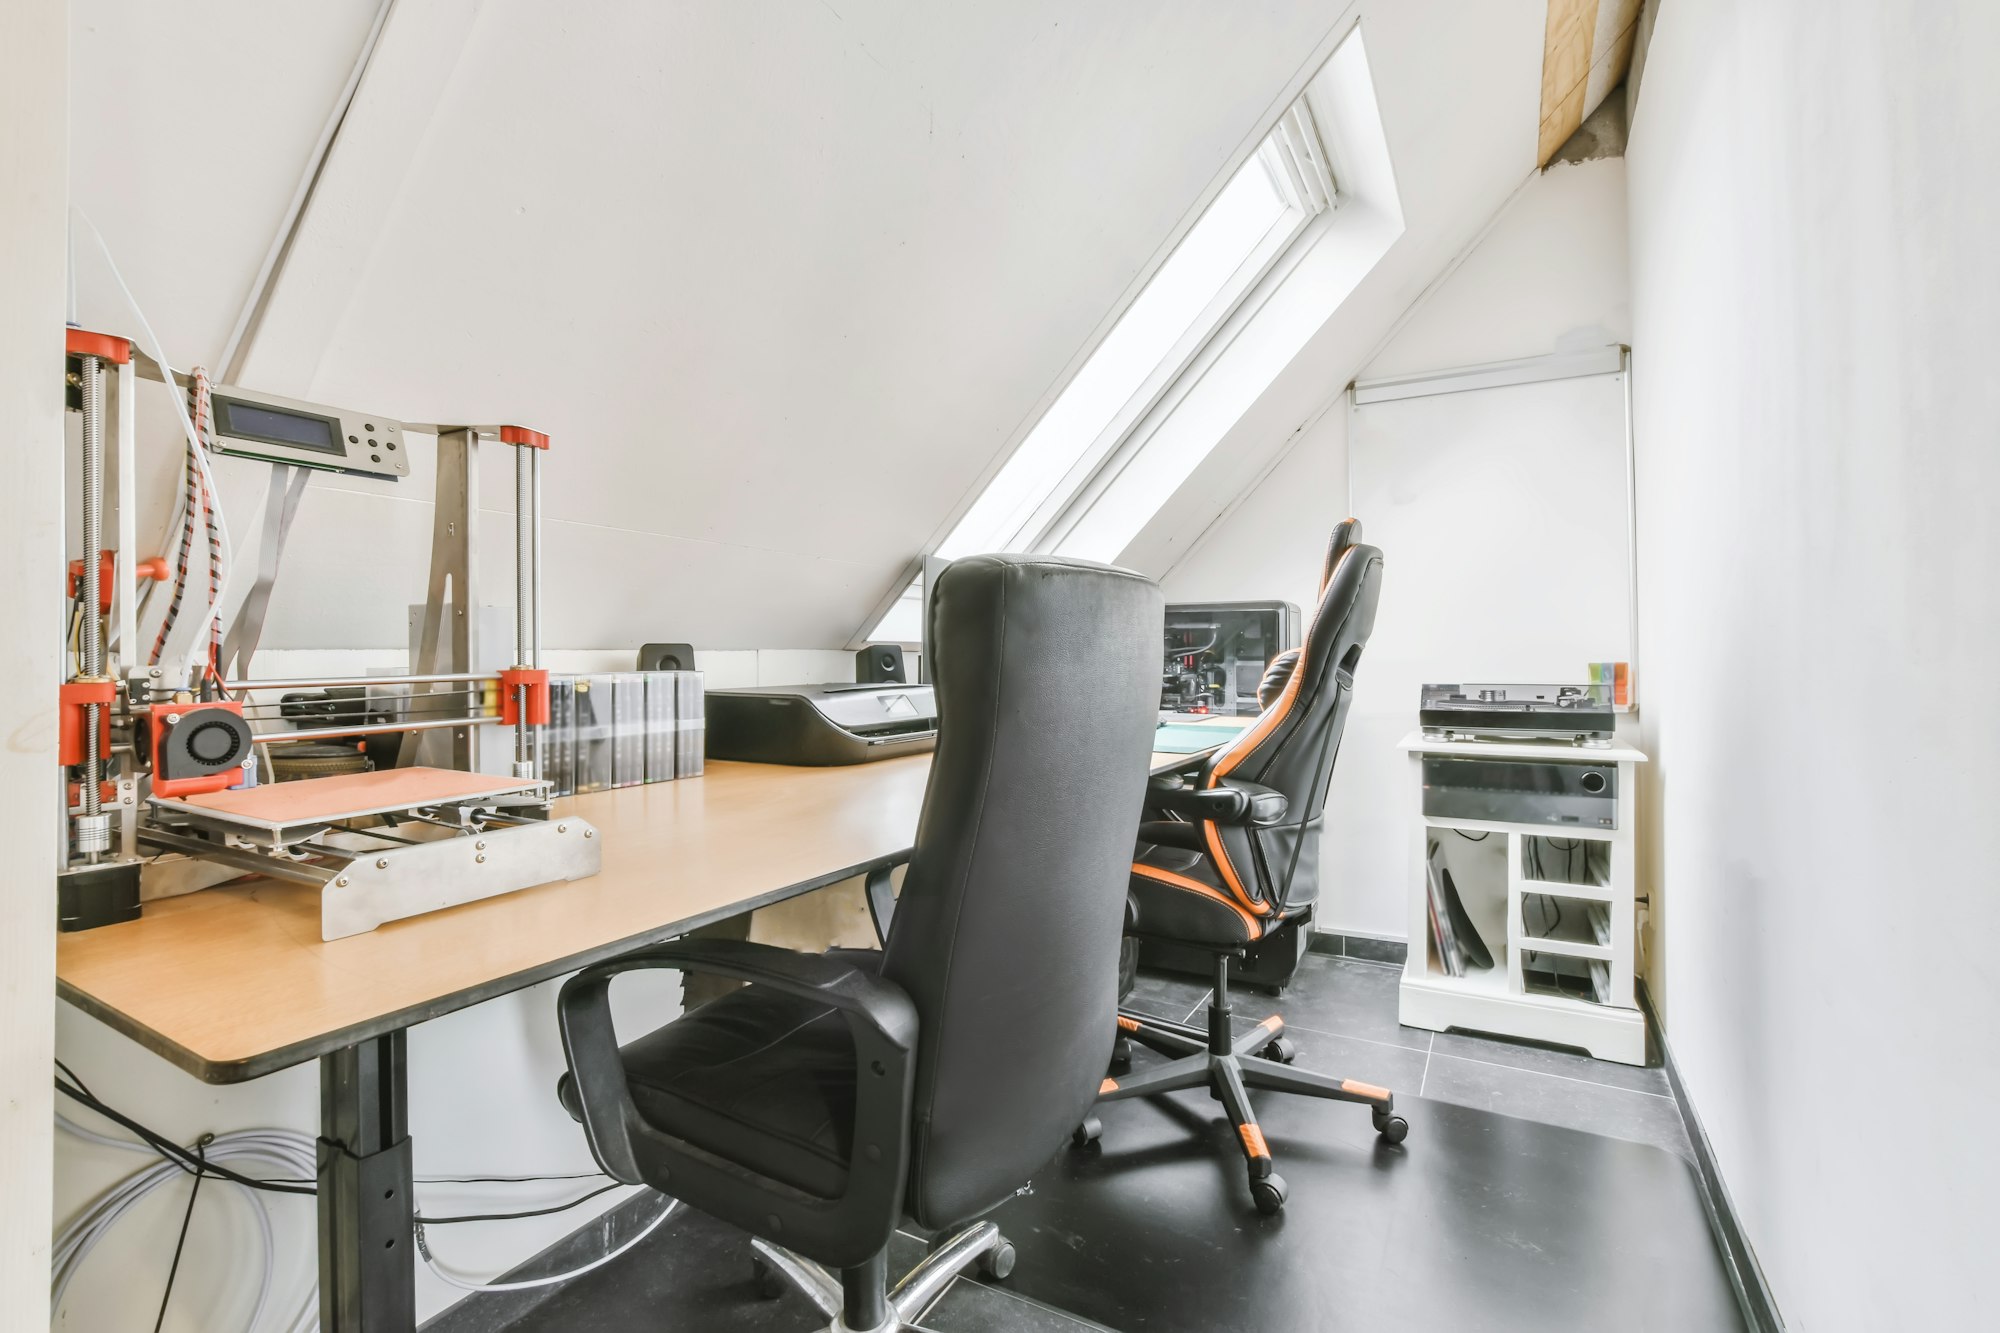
(666, 657)
(880, 664)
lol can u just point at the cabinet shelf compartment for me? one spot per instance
(1547, 973)
(1475, 865)
(1575, 930)
(1572, 867)
(1591, 893)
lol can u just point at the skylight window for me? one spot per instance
(1101, 422)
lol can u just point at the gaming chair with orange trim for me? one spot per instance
(1230, 851)
(1236, 852)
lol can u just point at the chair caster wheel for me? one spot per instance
(1088, 1132)
(1121, 1054)
(997, 1264)
(1282, 1050)
(1269, 1194)
(765, 1279)
(1393, 1128)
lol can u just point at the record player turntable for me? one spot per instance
(1577, 714)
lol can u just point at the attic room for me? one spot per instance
(1044, 667)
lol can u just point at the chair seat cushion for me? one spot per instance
(1176, 895)
(757, 1076)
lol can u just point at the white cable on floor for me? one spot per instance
(288, 1150)
(296, 1153)
(529, 1284)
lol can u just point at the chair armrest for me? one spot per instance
(879, 1014)
(1228, 802)
(880, 891)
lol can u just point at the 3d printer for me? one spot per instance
(163, 735)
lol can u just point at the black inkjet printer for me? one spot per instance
(821, 724)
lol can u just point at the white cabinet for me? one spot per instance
(1543, 897)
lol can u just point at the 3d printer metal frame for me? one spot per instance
(501, 840)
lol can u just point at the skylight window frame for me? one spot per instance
(1109, 445)
(1302, 135)
(1297, 166)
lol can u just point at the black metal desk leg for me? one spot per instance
(367, 1254)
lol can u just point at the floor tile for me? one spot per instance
(1397, 1068)
(1554, 1100)
(1552, 1060)
(1166, 995)
(974, 1307)
(1343, 996)
(695, 1272)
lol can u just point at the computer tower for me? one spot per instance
(1215, 653)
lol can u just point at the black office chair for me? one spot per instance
(1230, 852)
(837, 1094)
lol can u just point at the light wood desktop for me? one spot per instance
(233, 983)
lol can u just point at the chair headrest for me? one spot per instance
(1346, 533)
(1275, 675)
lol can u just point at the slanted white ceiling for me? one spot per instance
(190, 124)
(780, 280)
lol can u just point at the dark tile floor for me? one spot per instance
(1487, 1212)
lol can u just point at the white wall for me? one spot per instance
(1548, 273)
(1814, 270)
(34, 167)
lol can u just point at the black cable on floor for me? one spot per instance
(194, 1192)
(509, 1217)
(507, 1180)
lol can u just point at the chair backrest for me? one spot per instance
(1007, 930)
(1291, 746)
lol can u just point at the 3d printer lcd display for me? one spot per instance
(273, 426)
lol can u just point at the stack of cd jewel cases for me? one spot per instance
(623, 728)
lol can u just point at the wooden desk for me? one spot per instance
(235, 983)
